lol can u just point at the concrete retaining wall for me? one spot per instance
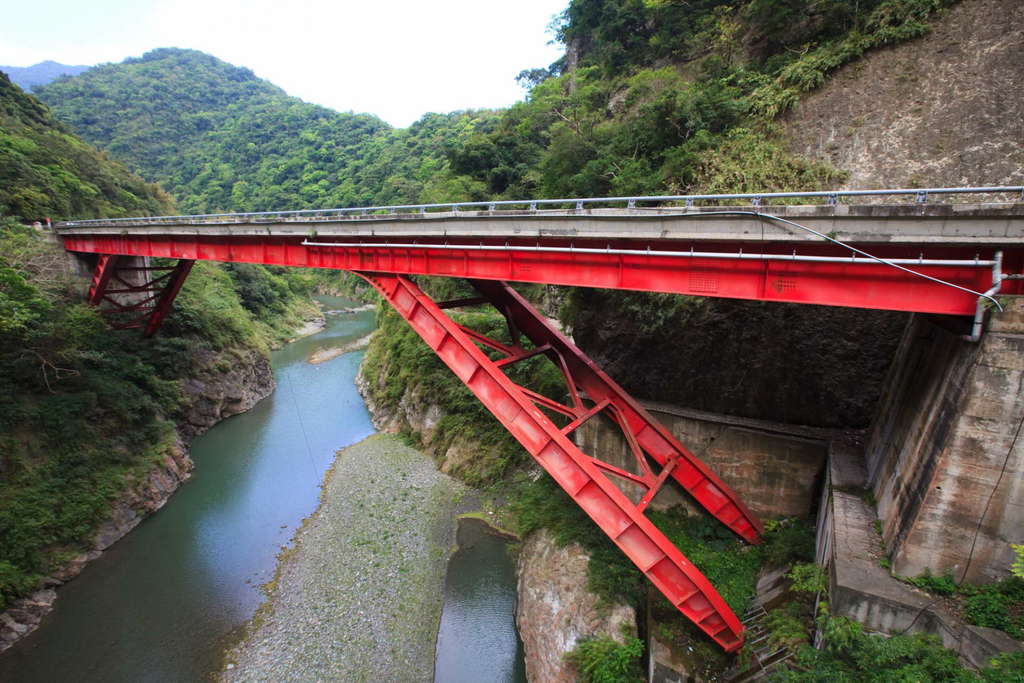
(944, 459)
(776, 469)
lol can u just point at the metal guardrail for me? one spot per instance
(831, 198)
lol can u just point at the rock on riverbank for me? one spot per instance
(359, 597)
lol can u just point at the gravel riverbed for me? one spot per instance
(358, 596)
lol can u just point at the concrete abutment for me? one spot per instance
(944, 458)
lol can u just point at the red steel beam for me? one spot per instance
(651, 436)
(171, 289)
(101, 274)
(855, 283)
(580, 475)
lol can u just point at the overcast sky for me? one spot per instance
(397, 59)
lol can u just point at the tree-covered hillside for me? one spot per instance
(219, 138)
(657, 96)
(45, 170)
(87, 412)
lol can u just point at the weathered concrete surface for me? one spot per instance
(774, 468)
(556, 611)
(863, 590)
(911, 223)
(944, 457)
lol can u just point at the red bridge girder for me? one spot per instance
(583, 477)
(857, 283)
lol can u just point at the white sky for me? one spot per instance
(397, 59)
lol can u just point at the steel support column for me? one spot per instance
(128, 303)
(583, 477)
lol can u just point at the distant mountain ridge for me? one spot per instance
(29, 77)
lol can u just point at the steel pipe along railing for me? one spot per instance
(897, 264)
(755, 198)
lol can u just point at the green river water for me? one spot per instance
(162, 603)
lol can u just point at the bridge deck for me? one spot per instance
(994, 224)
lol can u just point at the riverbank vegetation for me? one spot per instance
(604, 660)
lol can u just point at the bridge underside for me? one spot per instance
(815, 273)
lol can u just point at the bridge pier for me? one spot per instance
(134, 293)
(945, 457)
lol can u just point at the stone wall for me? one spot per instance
(775, 468)
(944, 458)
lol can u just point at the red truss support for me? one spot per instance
(584, 478)
(136, 296)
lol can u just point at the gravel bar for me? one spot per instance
(359, 595)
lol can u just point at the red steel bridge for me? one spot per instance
(945, 251)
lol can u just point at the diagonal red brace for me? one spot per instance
(157, 293)
(656, 441)
(576, 472)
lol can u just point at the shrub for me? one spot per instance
(808, 578)
(603, 660)
(943, 585)
(850, 654)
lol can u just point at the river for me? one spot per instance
(162, 603)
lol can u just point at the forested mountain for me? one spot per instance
(219, 138)
(28, 77)
(651, 97)
(47, 171)
(656, 97)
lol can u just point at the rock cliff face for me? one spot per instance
(942, 110)
(221, 385)
(556, 610)
(809, 365)
(418, 414)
